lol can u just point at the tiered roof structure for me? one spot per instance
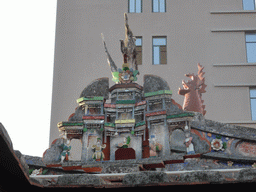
(128, 124)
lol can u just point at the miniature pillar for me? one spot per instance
(163, 103)
(133, 112)
(105, 136)
(106, 117)
(116, 113)
(117, 95)
(101, 108)
(84, 154)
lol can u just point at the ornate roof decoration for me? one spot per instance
(138, 129)
(192, 90)
(129, 70)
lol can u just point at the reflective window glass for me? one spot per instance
(249, 4)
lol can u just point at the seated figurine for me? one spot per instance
(189, 145)
(155, 147)
(126, 143)
(98, 155)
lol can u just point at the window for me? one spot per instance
(250, 39)
(158, 6)
(139, 50)
(125, 95)
(93, 109)
(155, 105)
(159, 50)
(249, 4)
(135, 6)
(253, 102)
(126, 113)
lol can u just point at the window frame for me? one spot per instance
(254, 2)
(251, 106)
(129, 10)
(159, 37)
(249, 42)
(140, 37)
(158, 7)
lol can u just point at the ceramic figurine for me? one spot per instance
(126, 142)
(66, 149)
(192, 90)
(37, 172)
(98, 155)
(189, 145)
(217, 145)
(155, 147)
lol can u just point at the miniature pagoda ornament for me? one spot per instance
(192, 90)
(140, 127)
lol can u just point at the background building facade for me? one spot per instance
(173, 36)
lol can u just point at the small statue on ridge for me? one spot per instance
(192, 90)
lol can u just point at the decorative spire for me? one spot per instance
(129, 70)
(111, 63)
(128, 46)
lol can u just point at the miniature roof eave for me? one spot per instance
(180, 115)
(159, 92)
(114, 107)
(69, 123)
(128, 85)
(83, 100)
(126, 89)
(224, 129)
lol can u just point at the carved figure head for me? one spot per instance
(192, 90)
(196, 82)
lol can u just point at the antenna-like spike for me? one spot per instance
(111, 63)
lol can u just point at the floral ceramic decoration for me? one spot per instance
(217, 145)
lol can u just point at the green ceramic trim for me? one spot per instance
(180, 115)
(110, 125)
(125, 102)
(160, 92)
(89, 99)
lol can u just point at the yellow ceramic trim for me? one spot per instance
(125, 121)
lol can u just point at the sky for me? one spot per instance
(27, 38)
